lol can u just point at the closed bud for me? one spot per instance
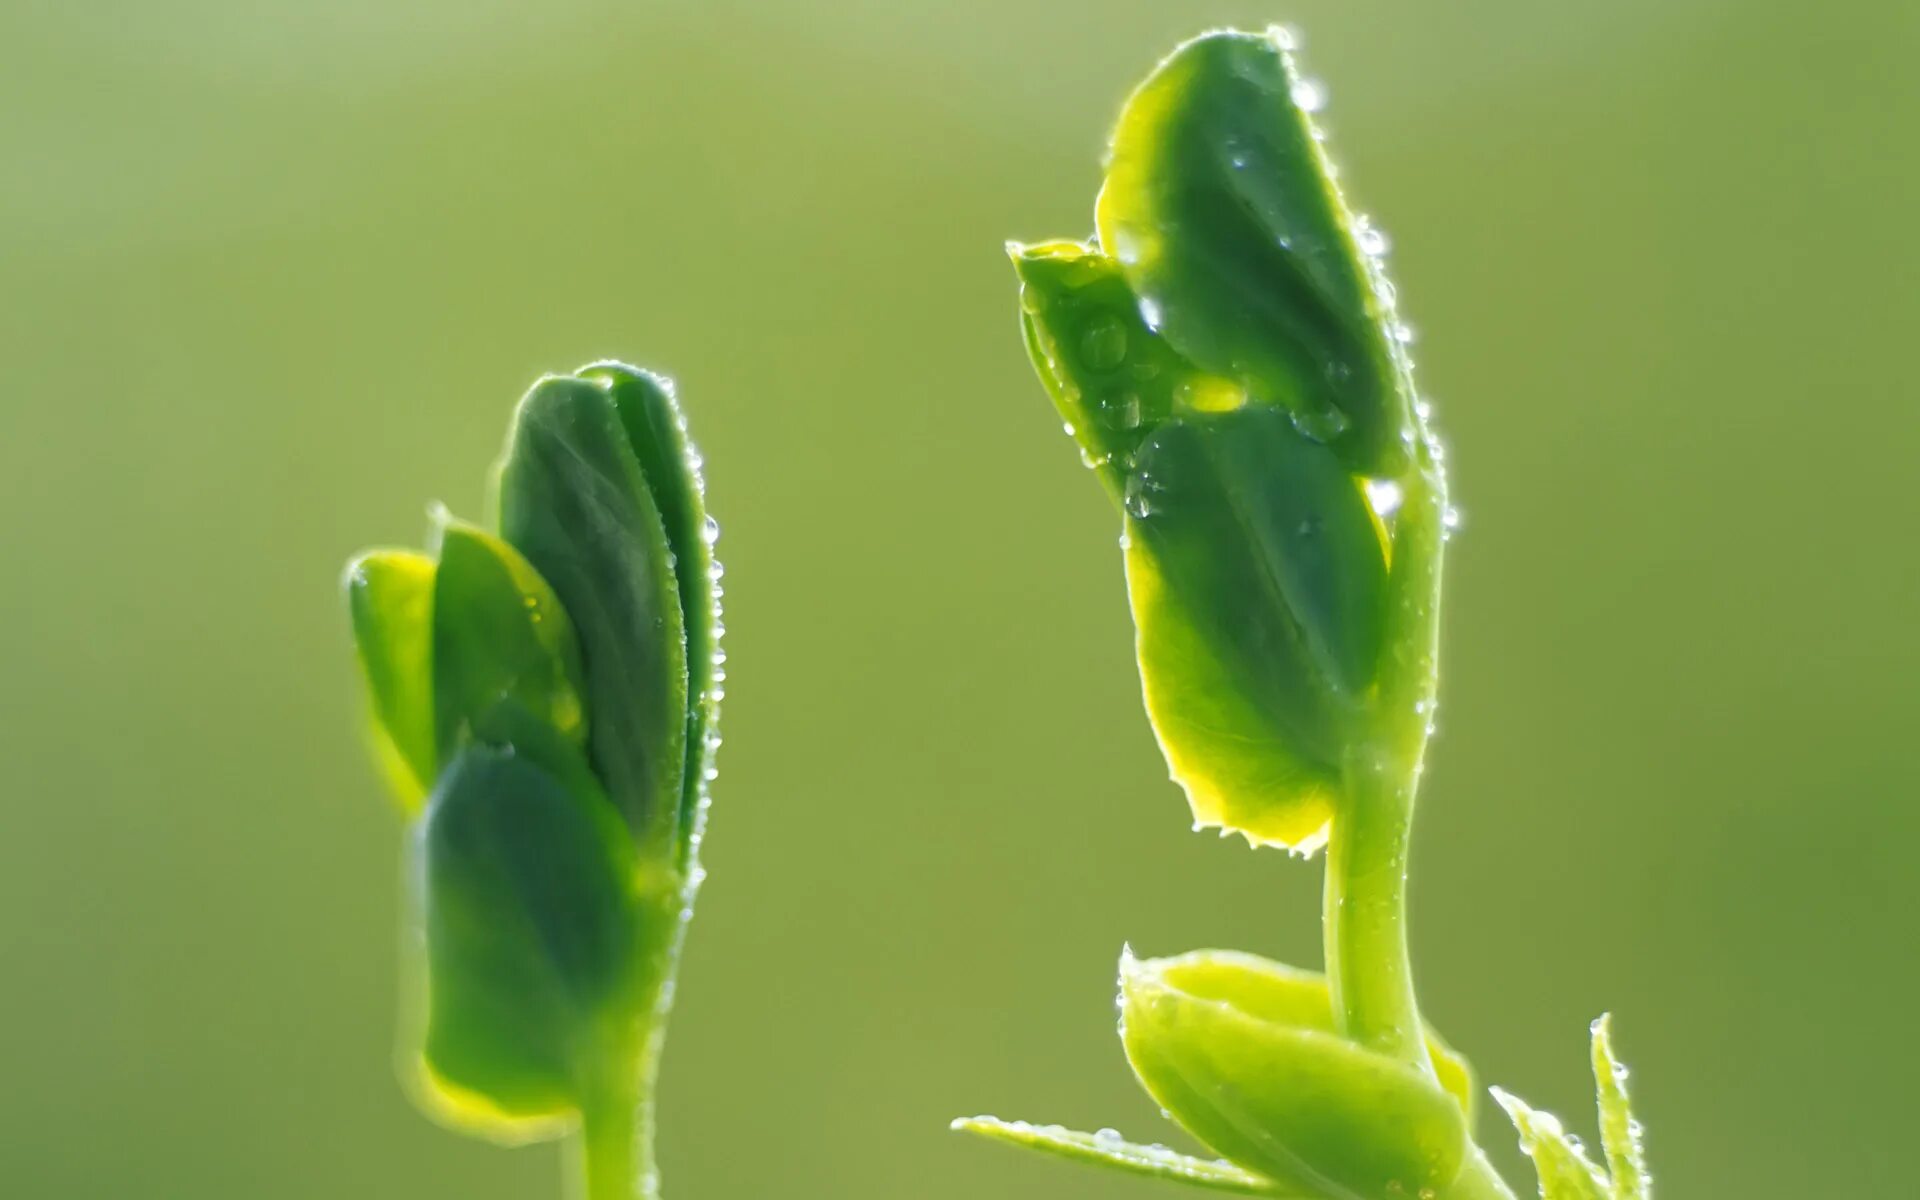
(544, 702)
(1243, 1053)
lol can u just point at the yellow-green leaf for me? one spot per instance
(390, 602)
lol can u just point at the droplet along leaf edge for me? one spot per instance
(1563, 1169)
(573, 499)
(1223, 211)
(672, 468)
(1108, 1149)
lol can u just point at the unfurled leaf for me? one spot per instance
(1257, 575)
(1302, 1106)
(1562, 1166)
(525, 894)
(1107, 1149)
(1222, 212)
(390, 601)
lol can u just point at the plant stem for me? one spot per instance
(612, 1156)
(611, 1153)
(1368, 966)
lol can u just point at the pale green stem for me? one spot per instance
(612, 1157)
(1368, 967)
(614, 1151)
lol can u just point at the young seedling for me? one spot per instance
(1228, 354)
(544, 700)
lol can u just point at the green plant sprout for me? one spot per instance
(1228, 354)
(544, 701)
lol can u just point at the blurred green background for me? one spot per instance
(272, 273)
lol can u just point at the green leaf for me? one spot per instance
(1107, 1149)
(1302, 1106)
(1563, 1168)
(1619, 1132)
(525, 891)
(1282, 995)
(390, 601)
(657, 431)
(1258, 575)
(573, 499)
(499, 633)
(1112, 379)
(1222, 211)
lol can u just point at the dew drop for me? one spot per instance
(710, 532)
(1322, 425)
(1141, 489)
(1104, 345)
(1384, 495)
(1309, 96)
(1373, 240)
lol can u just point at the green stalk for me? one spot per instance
(612, 1155)
(1368, 966)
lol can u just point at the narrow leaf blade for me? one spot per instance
(1619, 1132)
(1107, 1149)
(1563, 1168)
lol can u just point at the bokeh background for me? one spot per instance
(272, 273)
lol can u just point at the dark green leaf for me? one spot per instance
(1112, 379)
(499, 633)
(1258, 579)
(1222, 211)
(531, 933)
(671, 467)
(574, 501)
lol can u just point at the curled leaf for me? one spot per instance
(525, 895)
(657, 432)
(1300, 1105)
(499, 633)
(390, 602)
(574, 500)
